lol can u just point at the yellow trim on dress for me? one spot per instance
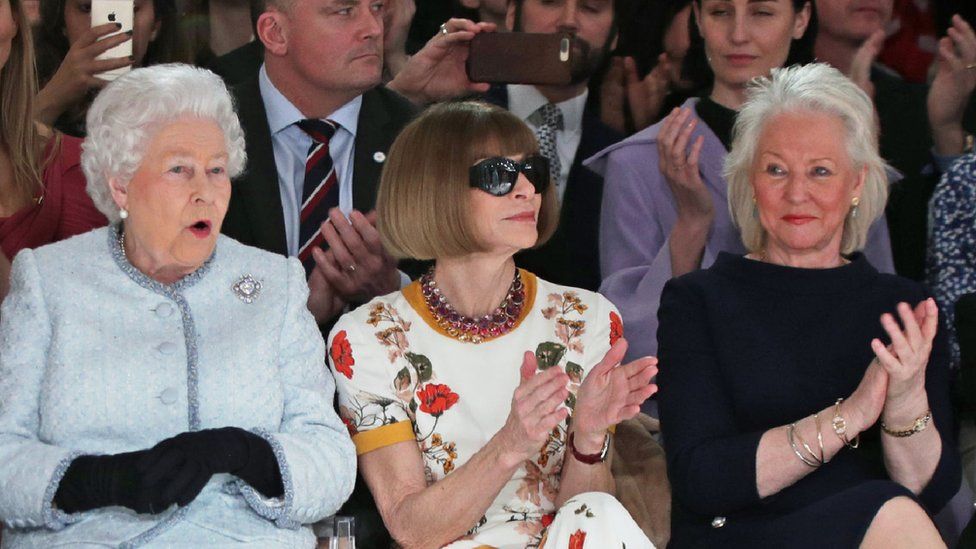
(415, 298)
(374, 439)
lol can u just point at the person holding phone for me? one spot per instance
(68, 47)
(481, 397)
(42, 188)
(664, 205)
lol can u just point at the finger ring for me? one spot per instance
(351, 268)
(443, 28)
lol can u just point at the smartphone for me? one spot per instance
(114, 11)
(520, 58)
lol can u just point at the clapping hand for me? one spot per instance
(356, 264)
(679, 165)
(906, 358)
(955, 79)
(536, 408)
(612, 392)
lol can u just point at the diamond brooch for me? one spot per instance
(247, 289)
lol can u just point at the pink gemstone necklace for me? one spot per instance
(473, 330)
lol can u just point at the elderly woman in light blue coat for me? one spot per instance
(160, 384)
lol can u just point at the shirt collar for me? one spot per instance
(283, 114)
(523, 100)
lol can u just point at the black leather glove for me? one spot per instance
(91, 482)
(178, 462)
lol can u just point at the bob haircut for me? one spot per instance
(127, 113)
(814, 88)
(423, 200)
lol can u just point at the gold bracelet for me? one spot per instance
(790, 432)
(920, 424)
(813, 456)
(840, 427)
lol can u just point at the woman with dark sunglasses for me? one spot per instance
(481, 398)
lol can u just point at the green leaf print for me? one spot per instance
(575, 372)
(549, 354)
(402, 380)
(422, 364)
(571, 401)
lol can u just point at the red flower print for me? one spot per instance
(576, 540)
(341, 353)
(436, 399)
(350, 427)
(616, 327)
(547, 519)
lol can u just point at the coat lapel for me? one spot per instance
(255, 208)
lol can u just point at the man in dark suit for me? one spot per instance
(569, 132)
(322, 61)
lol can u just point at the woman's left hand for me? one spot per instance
(908, 355)
(612, 392)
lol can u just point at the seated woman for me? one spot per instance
(664, 208)
(161, 383)
(42, 189)
(480, 397)
(775, 366)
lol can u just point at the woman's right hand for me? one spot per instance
(79, 69)
(679, 165)
(863, 408)
(536, 409)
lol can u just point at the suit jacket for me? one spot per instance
(96, 358)
(254, 216)
(571, 257)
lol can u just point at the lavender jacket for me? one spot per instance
(636, 220)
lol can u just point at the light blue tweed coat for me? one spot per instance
(96, 358)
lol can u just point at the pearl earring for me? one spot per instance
(854, 203)
(123, 213)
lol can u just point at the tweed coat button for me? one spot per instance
(169, 395)
(163, 310)
(718, 522)
(167, 347)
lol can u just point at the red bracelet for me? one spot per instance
(590, 459)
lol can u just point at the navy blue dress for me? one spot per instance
(747, 346)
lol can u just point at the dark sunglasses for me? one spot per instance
(496, 176)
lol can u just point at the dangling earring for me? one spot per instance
(854, 202)
(755, 209)
(123, 213)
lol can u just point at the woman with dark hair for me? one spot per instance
(67, 48)
(42, 189)
(669, 176)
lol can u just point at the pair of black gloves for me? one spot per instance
(173, 471)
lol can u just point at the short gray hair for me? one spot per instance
(125, 116)
(818, 88)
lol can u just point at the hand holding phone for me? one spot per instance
(121, 13)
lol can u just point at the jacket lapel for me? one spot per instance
(256, 198)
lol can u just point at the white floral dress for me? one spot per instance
(400, 377)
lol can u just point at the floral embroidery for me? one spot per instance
(554, 445)
(350, 426)
(394, 338)
(439, 452)
(341, 353)
(538, 484)
(616, 327)
(436, 399)
(577, 539)
(568, 330)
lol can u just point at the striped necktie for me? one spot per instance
(320, 191)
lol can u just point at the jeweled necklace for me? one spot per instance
(473, 330)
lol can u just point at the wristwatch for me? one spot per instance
(590, 459)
